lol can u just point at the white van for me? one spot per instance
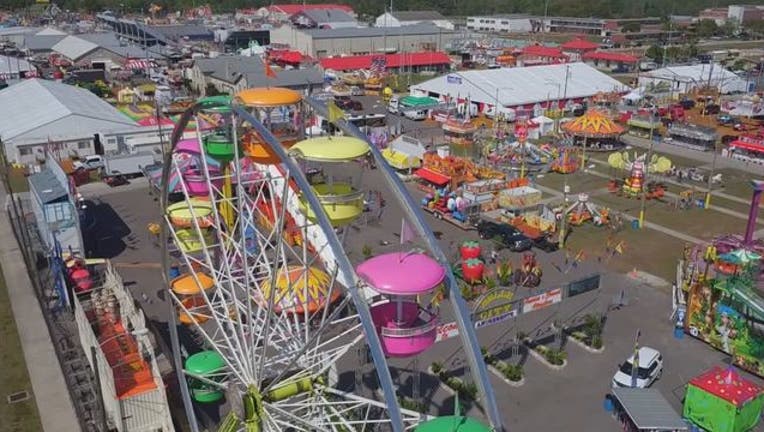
(415, 115)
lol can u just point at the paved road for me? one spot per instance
(54, 402)
(573, 394)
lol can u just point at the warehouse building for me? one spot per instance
(521, 91)
(319, 43)
(684, 79)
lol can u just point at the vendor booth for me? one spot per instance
(720, 400)
(645, 409)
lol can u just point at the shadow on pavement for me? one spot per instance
(108, 235)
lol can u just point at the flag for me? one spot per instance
(407, 232)
(268, 71)
(619, 248)
(335, 113)
(378, 64)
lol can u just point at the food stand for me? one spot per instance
(645, 410)
(692, 136)
(643, 125)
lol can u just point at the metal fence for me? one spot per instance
(61, 323)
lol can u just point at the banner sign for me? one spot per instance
(493, 303)
(581, 286)
(542, 300)
(453, 79)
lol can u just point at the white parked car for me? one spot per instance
(650, 369)
(415, 115)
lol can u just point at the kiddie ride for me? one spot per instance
(529, 273)
(583, 211)
(450, 207)
(634, 184)
(565, 163)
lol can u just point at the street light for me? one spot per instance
(643, 204)
(707, 204)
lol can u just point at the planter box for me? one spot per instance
(543, 360)
(506, 380)
(586, 347)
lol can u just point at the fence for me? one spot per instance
(60, 322)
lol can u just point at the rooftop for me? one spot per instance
(73, 47)
(411, 30)
(286, 78)
(291, 9)
(727, 384)
(649, 409)
(230, 68)
(420, 15)
(47, 187)
(392, 60)
(328, 15)
(37, 110)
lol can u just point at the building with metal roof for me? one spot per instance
(14, 68)
(522, 90)
(648, 410)
(41, 116)
(683, 79)
(323, 18)
(408, 18)
(320, 43)
(54, 208)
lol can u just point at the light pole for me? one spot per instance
(564, 216)
(643, 204)
(707, 204)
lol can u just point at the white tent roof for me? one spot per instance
(523, 85)
(36, 110)
(73, 47)
(13, 65)
(693, 73)
(50, 31)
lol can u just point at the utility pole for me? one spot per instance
(707, 204)
(643, 204)
(564, 219)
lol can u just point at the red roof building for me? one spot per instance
(579, 45)
(418, 60)
(727, 384)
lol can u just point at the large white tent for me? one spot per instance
(522, 88)
(683, 79)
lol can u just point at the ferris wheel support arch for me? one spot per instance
(466, 328)
(343, 264)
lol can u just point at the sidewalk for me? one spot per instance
(53, 399)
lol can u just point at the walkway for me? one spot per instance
(53, 399)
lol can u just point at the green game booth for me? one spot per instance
(720, 400)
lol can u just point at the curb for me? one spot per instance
(543, 360)
(501, 376)
(585, 346)
(441, 384)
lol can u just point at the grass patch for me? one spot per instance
(647, 250)
(578, 182)
(718, 201)
(23, 416)
(16, 178)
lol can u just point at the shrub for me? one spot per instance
(512, 372)
(366, 251)
(596, 342)
(555, 356)
(436, 367)
(490, 283)
(593, 325)
(411, 404)
(469, 389)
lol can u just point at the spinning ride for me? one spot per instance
(276, 317)
(595, 131)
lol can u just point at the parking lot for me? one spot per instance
(574, 394)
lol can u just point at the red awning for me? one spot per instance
(746, 145)
(543, 51)
(433, 177)
(579, 44)
(610, 56)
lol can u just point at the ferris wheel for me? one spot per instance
(255, 218)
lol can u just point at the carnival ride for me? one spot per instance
(595, 131)
(277, 316)
(566, 162)
(459, 131)
(638, 168)
(584, 211)
(528, 274)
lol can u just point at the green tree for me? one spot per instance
(705, 28)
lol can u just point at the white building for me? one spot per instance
(515, 23)
(683, 79)
(407, 18)
(40, 117)
(521, 90)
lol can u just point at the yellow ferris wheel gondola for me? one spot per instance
(340, 198)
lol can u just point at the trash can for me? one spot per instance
(635, 224)
(174, 272)
(678, 333)
(608, 404)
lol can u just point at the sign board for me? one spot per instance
(493, 303)
(581, 286)
(447, 331)
(543, 300)
(453, 79)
